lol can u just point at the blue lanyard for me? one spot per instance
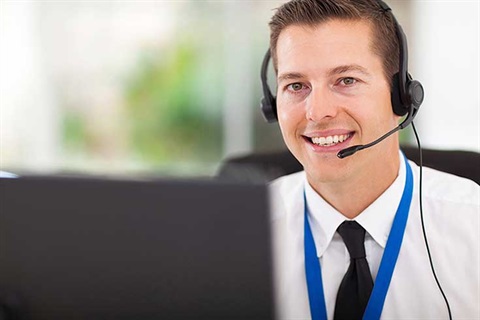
(387, 265)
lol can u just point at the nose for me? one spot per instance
(321, 104)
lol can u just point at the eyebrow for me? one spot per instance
(290, 76)
(331, 72)
(348, 68)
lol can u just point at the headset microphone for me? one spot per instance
(351, 150)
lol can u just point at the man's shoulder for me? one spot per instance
(288, 183)
(447, 187)
(286, 194)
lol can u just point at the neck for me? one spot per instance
(354, 194)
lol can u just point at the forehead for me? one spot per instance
(326, 45)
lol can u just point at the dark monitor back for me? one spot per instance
(105, 249)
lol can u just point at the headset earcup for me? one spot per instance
(268, 104)
(269, 108)
(397, 104)
(416, 93)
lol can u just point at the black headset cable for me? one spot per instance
(423, 223)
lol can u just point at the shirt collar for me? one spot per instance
(323, 218)
(376, 219)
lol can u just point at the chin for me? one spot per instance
(321, 177)
(327, 169)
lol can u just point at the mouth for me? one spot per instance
(329, 141)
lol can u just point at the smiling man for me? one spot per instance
(347, 233)
(332, 88)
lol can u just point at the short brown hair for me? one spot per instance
(313, 12)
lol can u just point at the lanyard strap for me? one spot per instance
(313, 269)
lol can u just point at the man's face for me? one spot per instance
(332, 94)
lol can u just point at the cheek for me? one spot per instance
(284, 123)
(288, 120)
(380, 110)
(388, 116)
(284, 118)
(290, 111)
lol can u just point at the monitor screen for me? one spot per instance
(86, 248)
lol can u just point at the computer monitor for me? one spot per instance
(91, 248)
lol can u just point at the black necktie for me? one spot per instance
(357, 284)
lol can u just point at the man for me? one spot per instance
(335, 62)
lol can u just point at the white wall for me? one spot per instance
(444, 55)
(29, 126)
(237, 117)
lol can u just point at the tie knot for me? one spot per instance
(353, 236)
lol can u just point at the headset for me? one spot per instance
(406, 94)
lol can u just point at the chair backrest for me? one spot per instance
(263, 167)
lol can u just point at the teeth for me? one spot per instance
(330, 140)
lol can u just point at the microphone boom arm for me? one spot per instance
(351, 150)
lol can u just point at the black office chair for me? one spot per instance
(264, 167)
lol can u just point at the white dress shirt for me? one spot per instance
(451, 208)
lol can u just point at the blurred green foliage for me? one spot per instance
(74, 131)
(171, 118)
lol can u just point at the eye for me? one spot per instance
(295, 86)
(348, 81)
